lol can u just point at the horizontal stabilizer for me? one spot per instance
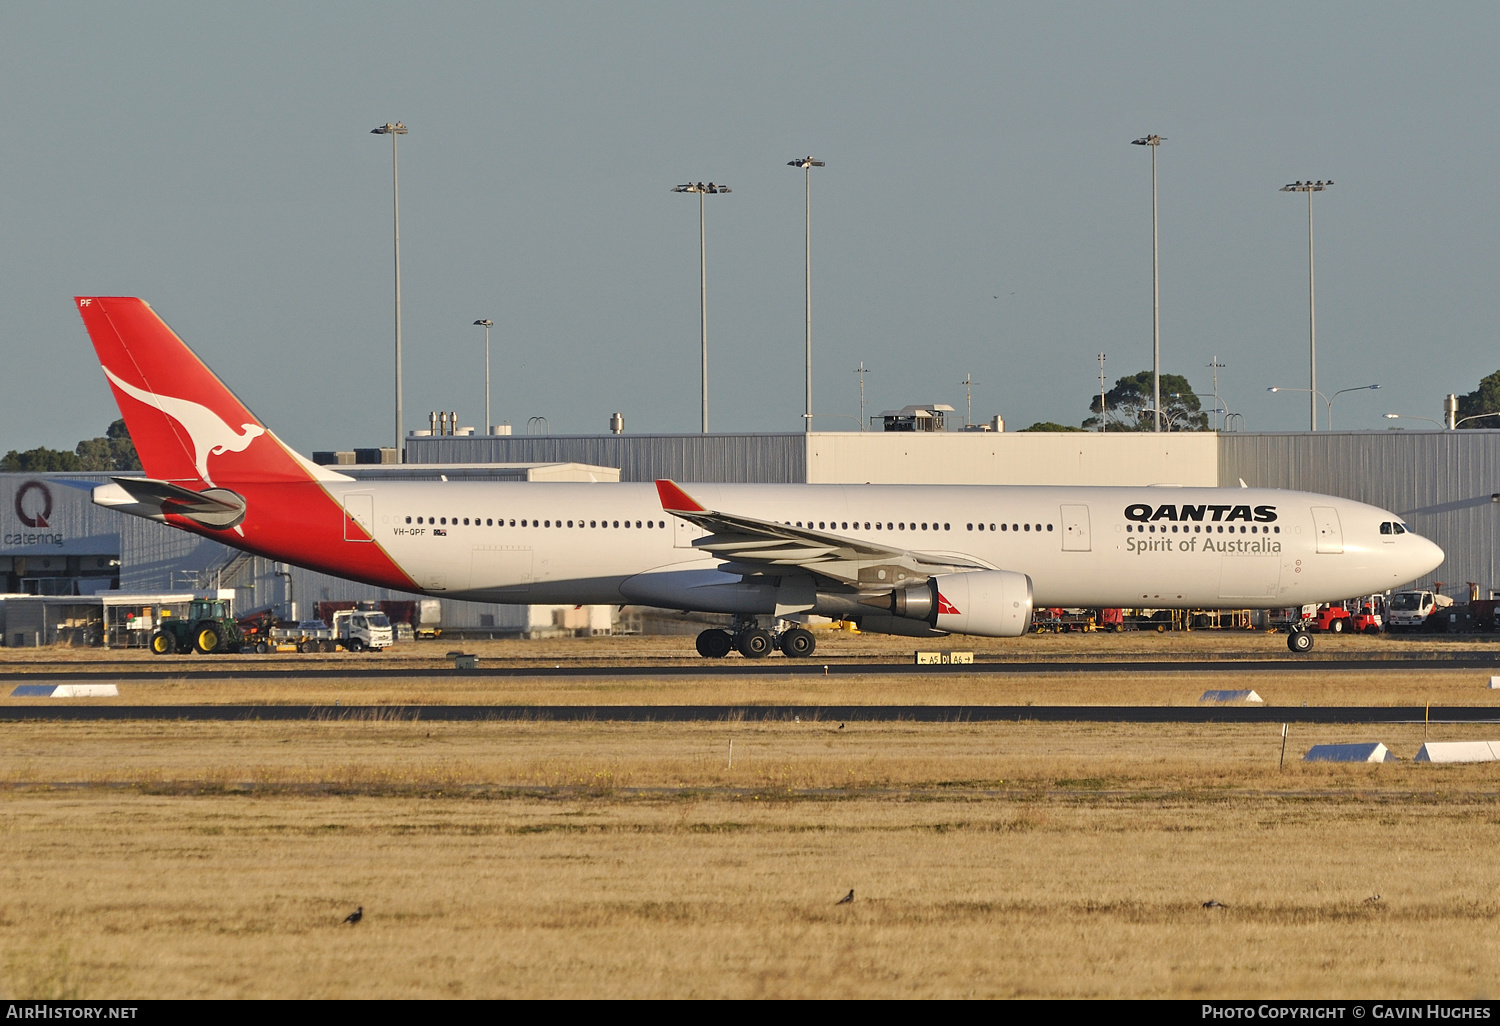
(216, 508)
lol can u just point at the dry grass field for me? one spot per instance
(146, 859)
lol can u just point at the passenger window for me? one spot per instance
(408, 520)
(488, 522)
(445, 520)
(466, 521)
(1049, 527)
(419, 520)
(901, 526)
(947, 527)
(1028, 527)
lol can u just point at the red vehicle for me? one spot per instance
(1366, 621)
(1333, 619)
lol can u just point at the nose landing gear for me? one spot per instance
(1299, 641)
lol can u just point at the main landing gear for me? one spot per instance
(755, 642)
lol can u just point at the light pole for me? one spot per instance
(1215, 366)
(1405, 416)
(711, 189)
(1327, 400)
(1312, 307)
(1154, 141)
(1477, 416)
(861, 370)
(807, 164)
(487, 324)
(1218, 406)
(393, 130)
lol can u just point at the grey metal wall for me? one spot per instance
(1440, 482)
(760, 459)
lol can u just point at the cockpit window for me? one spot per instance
(1387, 528)
(1400, 528)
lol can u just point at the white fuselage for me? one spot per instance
(1090, 547)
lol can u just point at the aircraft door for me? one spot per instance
(359, 518)
(1075, 529)
(1330, 532)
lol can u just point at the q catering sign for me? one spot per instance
(1208, 529)
(33, 509)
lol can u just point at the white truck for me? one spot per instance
(1415, 610)
(361, 629)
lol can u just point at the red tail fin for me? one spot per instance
(185, 424)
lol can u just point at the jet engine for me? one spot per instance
(989, 603)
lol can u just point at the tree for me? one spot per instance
(1047, 425)
(1484, 399)
(39, 461)
(114, 451)
(1130, 400)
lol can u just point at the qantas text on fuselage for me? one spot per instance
(905, 559)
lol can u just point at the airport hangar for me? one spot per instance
(1446, 484)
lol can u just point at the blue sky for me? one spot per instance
(982, 211)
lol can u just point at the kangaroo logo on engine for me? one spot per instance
(1142, 513)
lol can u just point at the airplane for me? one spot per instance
(913, 560)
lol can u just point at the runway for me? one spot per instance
(204, 669)
(826, 716)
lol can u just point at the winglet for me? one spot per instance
(675, 500)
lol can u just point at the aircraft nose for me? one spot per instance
(1426, 557)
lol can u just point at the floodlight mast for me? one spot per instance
(1154, 141)
(1312, 306)
(711, 189)
(486, 324)
(393, 129)
(807, 164)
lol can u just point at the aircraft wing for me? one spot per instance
(754, 546)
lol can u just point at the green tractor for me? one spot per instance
(206, 628)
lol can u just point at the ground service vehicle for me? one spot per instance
(359, 629)
(1333, 619)
(206, 628)
(1415, 611)
(910, 560)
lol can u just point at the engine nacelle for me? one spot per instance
(989, 603)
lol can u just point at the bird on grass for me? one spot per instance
(1211, 903)
(355, 916)
(1372, 899)
(847, 899)
(841, 726)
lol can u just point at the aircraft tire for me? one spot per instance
(715, 644)
(1299, 642)
(798, 643)
(754, 643)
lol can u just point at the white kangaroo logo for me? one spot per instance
(210, 435)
